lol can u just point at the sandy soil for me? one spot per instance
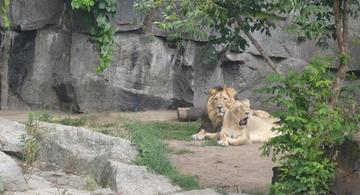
(229, 168)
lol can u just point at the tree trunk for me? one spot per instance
(342, 36)
(189, 114)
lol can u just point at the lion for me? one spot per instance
(243, 126)
(220, 100)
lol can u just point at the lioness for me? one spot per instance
(242, 126)
(220, 100)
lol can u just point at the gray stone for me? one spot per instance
(10, 173)
(35, 14)
(63, 180)
(106, 191)
(206, 191)
(279, 45)
(10, 137)
(39, 69)
(50, 191)
(126, 18)
(132, 179)
(79, 150)
(139, 78)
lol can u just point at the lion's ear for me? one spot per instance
(246, 102)
(213, 91)
(231, 91)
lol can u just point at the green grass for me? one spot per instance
(47, 116)
(72, 121)
(113, 129)
(43, 115)
(169, 130)
(210, 142)
(153, 152)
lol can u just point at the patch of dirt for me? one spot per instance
(230, 168)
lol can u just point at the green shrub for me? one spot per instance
(310, 130)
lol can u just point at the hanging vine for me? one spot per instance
(4, 7)
(102, 31)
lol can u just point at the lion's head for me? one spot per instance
(241, 111)
(221, 99)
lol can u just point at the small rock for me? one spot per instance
(10, 134)
(132, 179)
(10, 173)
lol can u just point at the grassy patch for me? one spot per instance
(153, 152)
(47, 116)
(210, 142)
(168, 130)
(43, 115)
(113, 129)
(72, 121)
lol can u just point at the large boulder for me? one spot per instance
(11, 177)
(34, 14)
(79, 150)
(140, 76)
(132, 179)
(10, 137)
(39, 69)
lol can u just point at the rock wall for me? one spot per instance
(52, 62)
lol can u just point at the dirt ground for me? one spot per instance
(230, 168)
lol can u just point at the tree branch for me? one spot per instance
(262, 52)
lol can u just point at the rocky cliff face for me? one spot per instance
(52, 61)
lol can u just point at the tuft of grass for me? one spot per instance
(73, 121)
(153, 152)
(90, 183)
(43, 115)
(210, 142)
(116, 130)
(31, 140)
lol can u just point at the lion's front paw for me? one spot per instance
(223, 143)
(197, 137)
(200, 135)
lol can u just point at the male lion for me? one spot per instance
(242, 126)
(220, 100)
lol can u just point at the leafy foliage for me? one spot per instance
(314, 19)
(102, 30)
(220, 21)
(309, 129)
(4, 7)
